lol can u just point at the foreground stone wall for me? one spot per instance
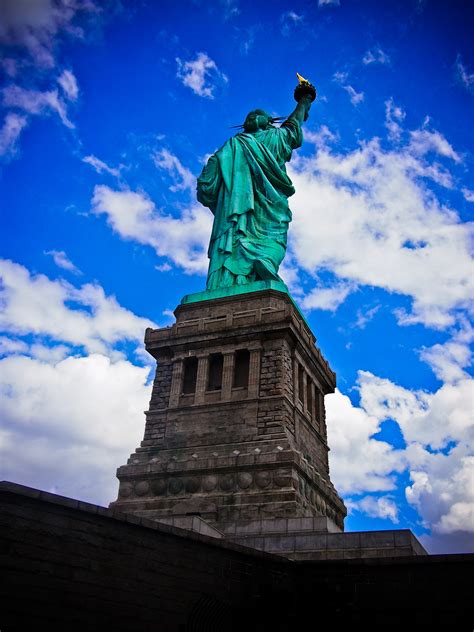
(73, 566)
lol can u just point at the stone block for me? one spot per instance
(234, 422)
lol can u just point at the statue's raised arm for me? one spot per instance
(246, 186)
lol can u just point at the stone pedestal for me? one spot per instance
(236, 429)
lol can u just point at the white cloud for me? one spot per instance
(132, 215)
(432, 420)
(376, 56)
(359, 463)
(328, 3)
(364, 316)
(438, 431)
(10, 346)
(183, 177)
(289, 20)
(34, 26)
(392, 232)
(10, 133)
(394, 116)
(36, 102)
(327, 298)
(83, 316)
(76, 421)
(356, 97)
(100, 166)
(341, 78)
(383, 507)
(68, 83)
(423, 141)
(448, 360)
(61, 259)
(164, 267)
(465, 78)
(34, 30)
(201, 75)
(468, 194)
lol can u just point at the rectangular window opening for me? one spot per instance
(190, 375)
(300, 383)
(241, 368)
(309, 396)
(216, 363)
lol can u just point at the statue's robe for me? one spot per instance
(246, 186)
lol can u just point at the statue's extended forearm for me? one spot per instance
(301, 111)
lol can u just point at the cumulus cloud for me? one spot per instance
(383, 507)
(56, 400)
(133, 215)
(438, 432)
(201, 75)
(359, 463)
(392, 231)
(448, 360)
(61, 259)
(327, 298)
(33, 304)
(86, 411)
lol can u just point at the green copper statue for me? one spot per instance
(246, 186)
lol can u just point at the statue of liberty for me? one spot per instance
(246, 186)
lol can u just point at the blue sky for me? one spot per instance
(109, 111)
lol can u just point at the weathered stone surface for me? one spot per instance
(70, 565)
(241, 451)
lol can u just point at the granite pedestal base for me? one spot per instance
(236, 429)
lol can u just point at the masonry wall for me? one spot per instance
(72, 566)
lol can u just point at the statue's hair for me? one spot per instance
(271, 119)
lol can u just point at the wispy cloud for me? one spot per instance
(341, 78)
(182, 176)
(375, 56)
(36, 102)
(36, 26)
(394, 117)
(68, 83)
(10, 133)
(289, 20)
(464, 77)
(34, 31)
(61, 259)
(100, 166)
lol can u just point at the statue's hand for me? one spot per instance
(305, 90)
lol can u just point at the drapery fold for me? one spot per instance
(246, 186)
